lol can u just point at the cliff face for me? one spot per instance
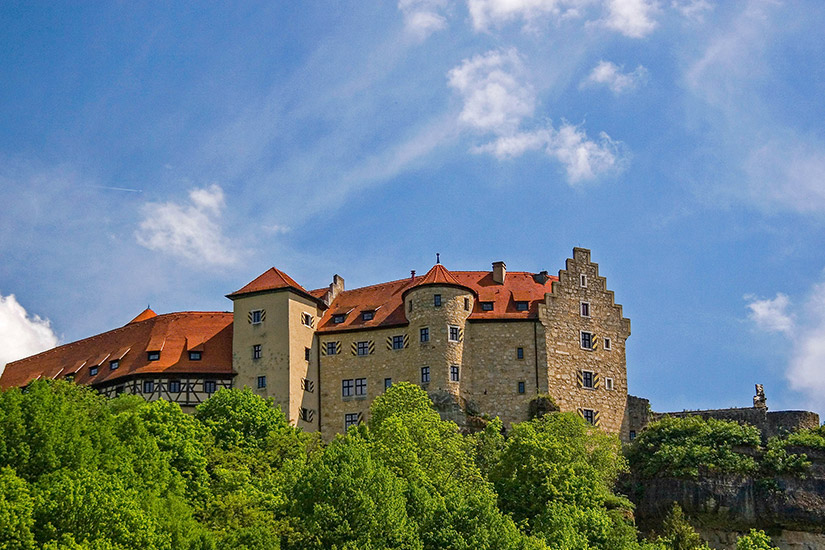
(790, 508)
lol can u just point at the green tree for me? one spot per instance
(755, 540)
(678, 533)
(16, 519)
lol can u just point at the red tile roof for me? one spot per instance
(211, 330)
(145, 314)
(387, 299)
(275, 279)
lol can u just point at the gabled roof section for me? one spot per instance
(145, 314)
(437, 275)
(129, 344)
(274, 279)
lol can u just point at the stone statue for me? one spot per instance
(759, 400)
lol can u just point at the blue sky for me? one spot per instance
(166, 155)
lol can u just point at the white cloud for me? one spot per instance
(191, 231)
(771, 314)
(632, 18)
(692, 9)
(423, 17)
(21, 335)
(495, 98)
(489, 13)
(609, 74)
(788, 173)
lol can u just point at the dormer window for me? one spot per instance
(93, 370)
(338, 318)
(486, 306)
(195, 355)
(522, 306)
(153, 355)
(367, 315)
(114, 364)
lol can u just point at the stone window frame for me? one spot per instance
(584, 309)
(332, 348)
(360, 387)
(424, 335)
(261, 382)
(257, 351)
(466, 304)
(436, 300)
(307, 385)
(307, 319)
(425, 375)
(520, 353)
(362, 348)
(398, 342)
(387, 383)
(583, 280)
(589, 416)
(455, 373)
(589, 339)
(608, 345)
(453, 330)
(521, 386)
(347, 387)
(608, 384)
(592, 376)
(350, 419)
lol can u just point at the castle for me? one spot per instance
(480, 342)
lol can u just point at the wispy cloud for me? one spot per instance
(692, 9)
(770, 314)
(192, 231)
(497, 100)
(490, 13)
(423, 17)
(22, 334)
(606, 73)
(632, 18)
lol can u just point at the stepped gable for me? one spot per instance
(386, 300)
(173, 334)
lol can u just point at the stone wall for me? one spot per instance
(769, 423)
(636, 418)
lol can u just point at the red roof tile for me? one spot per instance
(437, 275)
(129, 344)
(145, 314)
(272, 279)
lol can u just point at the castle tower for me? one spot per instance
(272, 346)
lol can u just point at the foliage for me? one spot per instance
(16, 505)
(686, 447)
(678, 534)
(813, 438)
(755, 540)
(777, 459)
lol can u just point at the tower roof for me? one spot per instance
(271, 279)
(143, 315)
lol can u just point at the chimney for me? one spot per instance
(412, 274)
(541, 277)
(335, 289)
(499, 272)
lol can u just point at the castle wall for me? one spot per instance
(770, 424)
(568, 360)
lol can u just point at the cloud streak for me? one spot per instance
(608, 74)
(21, 334)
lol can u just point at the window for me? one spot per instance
(387, 383)
(455, 333)
(306, 354)
(307, 414)
(486, 306)
(307, 319)
(398, 342)
(583, 280)
(350, 419)
(338, 318)
(256, 351)
(632, 435)
(519, 353)
(522, 306)
(587, 379)
(346, 387)
(454, 373)
(307, 385)
(425, 334)
(195, 355)
(361, 386)
(587, 340)
(174, 386)
(153, 355)
(521, 387)
(261, 382)
(437, 300)
(425, 375)
(607, 344)
(210, 386)
(363, 348)
(608, 384)
(589, 416)
(332, 348)
(114, 364)
(256, 316)
(148, 386)
(585, 309)
(367, 315)
(466, 304)
(93, 370)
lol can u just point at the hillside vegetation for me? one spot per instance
(78, 471)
